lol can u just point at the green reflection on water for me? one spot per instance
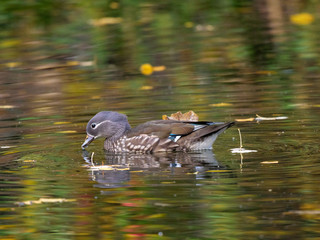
(58, 69)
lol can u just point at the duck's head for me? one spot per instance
(107, 124)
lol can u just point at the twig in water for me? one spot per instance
(240, 138)
(92, 158)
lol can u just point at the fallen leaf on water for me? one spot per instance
(269, 162)
(59, 123)
(29, 161)
(146, 88)
(220, 104)
(87, 63)
(245, 119)
(7, 106)
(146, 69)
(159, 68)
(109, 168)
(303, 212)
(157, 215)
(12, 64)
(188, 116)
(241, 150)
(105, 21)
(6, 147)
(302, 18)
(190, 173)
(67, 131)
(45, 200)
(259, 118)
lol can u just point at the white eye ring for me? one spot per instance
(93, 125)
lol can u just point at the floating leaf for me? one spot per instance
(146, 69)
(58, 123)
(155, 216)
(7, 106)
(12, 64)
(109, 168)
(242, 150)
(68, 131)
(188, 116)
(29, 161)
(6, 147)
(259, 118)
(192, 173)
(220, 104)
(87, 63)
(146, 88)
(302, 18)
(269, 162)
(159, 68)
(45, 200)
(303, 212)
(245, 120)
(105, 21)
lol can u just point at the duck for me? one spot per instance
(152, 136)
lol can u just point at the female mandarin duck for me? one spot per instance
(152, 136)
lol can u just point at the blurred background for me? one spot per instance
(62, 61)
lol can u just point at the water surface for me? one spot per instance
(58, 70)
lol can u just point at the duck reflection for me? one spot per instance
(116, 169)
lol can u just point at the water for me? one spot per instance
(58, 70)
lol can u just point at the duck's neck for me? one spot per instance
(120, 133)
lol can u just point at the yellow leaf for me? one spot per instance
(245, 119)
(302, 19)
(7, 106)
(45, 200)
(58, 123)
(29, 161)
(146, 69)
(188, 116)
(159, 68)
(269, 162)
(67, 131)
(12, 64)
(157, 215)
(146, 88)
(220, 104)
(105, 21)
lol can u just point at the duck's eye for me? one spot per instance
(93, 125)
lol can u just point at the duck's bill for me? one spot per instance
(88, 140)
